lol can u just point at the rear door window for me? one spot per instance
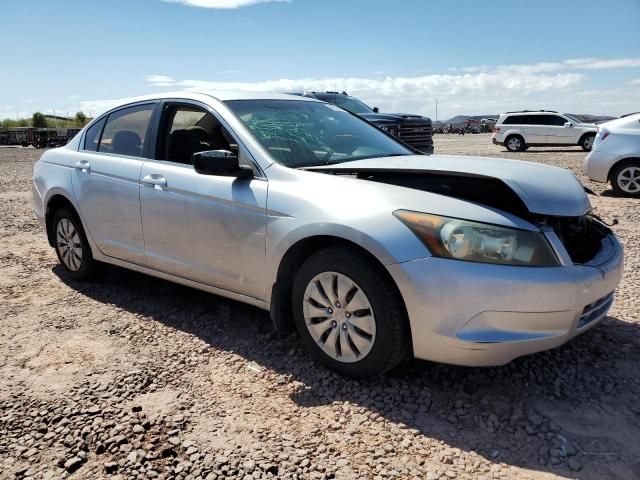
(538, 120)
(126, 130)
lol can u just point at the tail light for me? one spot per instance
(496, 129)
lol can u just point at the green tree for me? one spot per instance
(38, 120)
(81, 119)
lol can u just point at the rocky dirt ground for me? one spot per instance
(134, 377)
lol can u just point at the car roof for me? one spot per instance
(220, 95)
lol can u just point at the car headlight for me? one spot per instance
(478, 242)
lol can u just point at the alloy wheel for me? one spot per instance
(339, 317)
(588, 142)
(68, 244)
(629, 180)
(514, 143)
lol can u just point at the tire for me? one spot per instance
(625, 178)
(78, 260)
(586, 142)
(515, 143)
(360, 343)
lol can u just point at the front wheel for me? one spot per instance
(349, 314)
(587, 142)
(625, 179)
(515, 143)
(72, 247)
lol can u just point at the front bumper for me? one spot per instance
(476, 314)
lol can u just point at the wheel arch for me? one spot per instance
(280, 305)
(53, 204)
(618, 163)
(585, 134)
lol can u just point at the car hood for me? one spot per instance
(393, 117)
(543, 189)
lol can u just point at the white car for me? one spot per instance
(616, 155)
(544, 128)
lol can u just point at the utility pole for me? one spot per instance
(436, 109)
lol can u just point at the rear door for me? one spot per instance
(206, 228)
(536, 129)
(106, 180)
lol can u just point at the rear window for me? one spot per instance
(516, 120)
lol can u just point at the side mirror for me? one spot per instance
(376, 110)
(568, 124)
(222, 163)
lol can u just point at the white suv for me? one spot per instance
(544, 128)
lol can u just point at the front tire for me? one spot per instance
(625, 179)
(515, 143)
(349, 314)
(586, 143)
(72, 247)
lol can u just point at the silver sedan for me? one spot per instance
(371, 250)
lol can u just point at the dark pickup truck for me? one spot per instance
(414, 130)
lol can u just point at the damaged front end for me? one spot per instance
(581, 235)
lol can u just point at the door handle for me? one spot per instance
(158, 181)
(83, 165)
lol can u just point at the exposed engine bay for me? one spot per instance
(582, 236)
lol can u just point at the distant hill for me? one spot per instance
(463, 118)
(587, 118)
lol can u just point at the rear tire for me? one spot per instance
(349, 314)
(515, 143)
(72, 247)
(625, 178)
(586, 142)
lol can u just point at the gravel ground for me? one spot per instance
(134, 377)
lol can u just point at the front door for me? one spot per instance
(106, 181)
(558, 133)
(206, 228)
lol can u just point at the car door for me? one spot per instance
(558, 133)
(106, 181)
(206, 228)
(536, 129)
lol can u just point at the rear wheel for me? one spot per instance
(515, 143)
(349, 314)
(587, 142)
(625, 178)
(72, 247)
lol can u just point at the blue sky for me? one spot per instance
(475, 57)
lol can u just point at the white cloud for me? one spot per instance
(601, 64)
(468, 90)
(160, 81)
(221, 4)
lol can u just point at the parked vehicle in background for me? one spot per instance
(542, 128)
(37, 137)
(371, 251)
(414, 130)
(615, 156)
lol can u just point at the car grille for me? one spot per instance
(418, 136)
(595, 311)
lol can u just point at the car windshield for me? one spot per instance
(301, 133)
(573, 118)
